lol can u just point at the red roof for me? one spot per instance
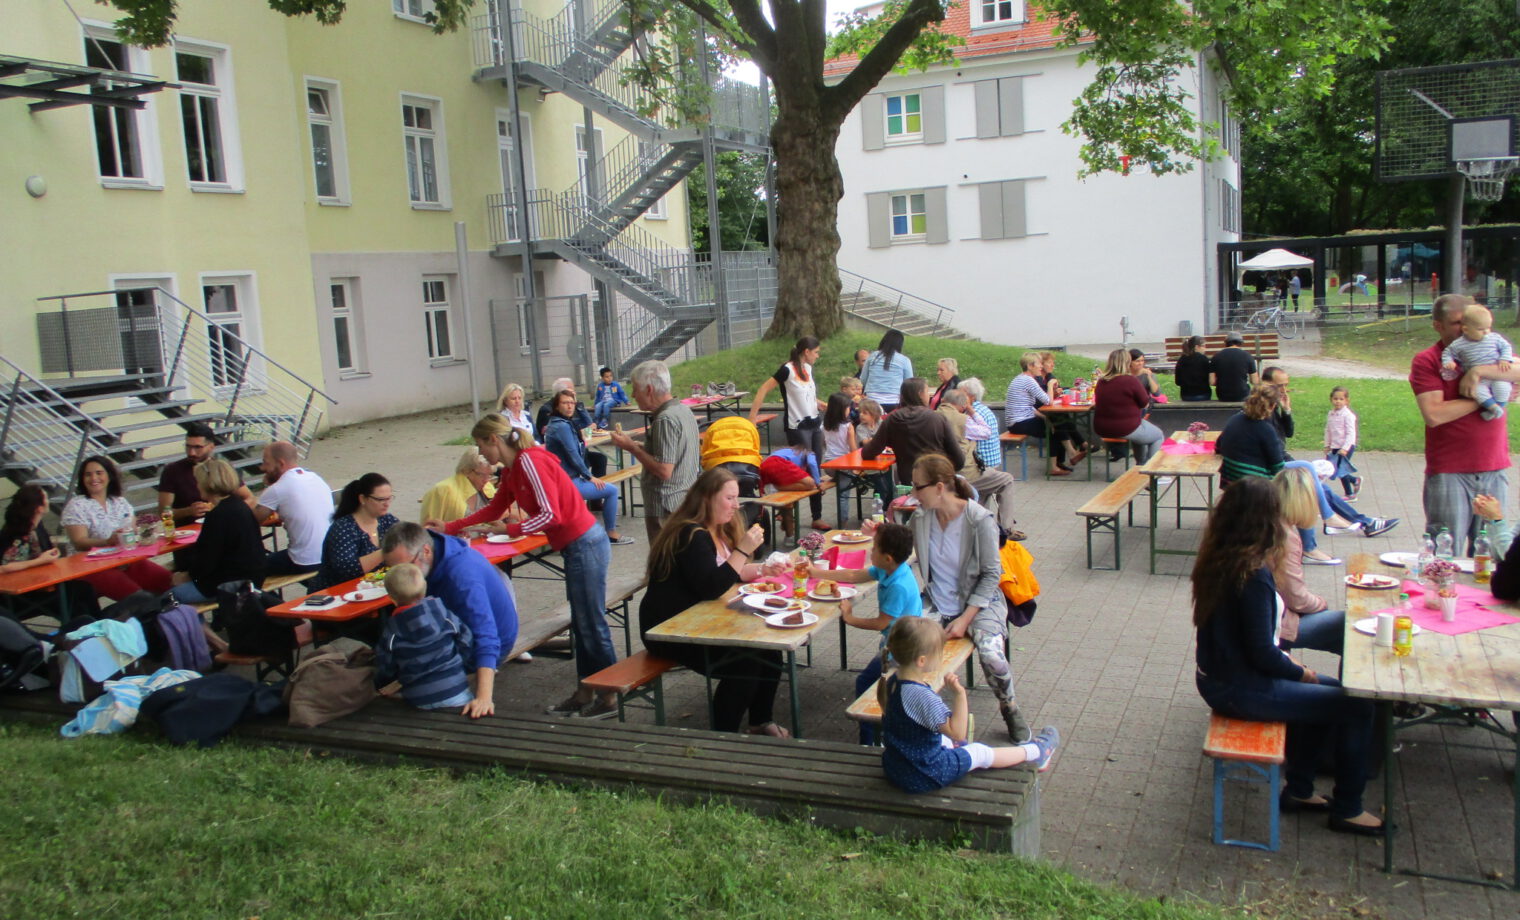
(1035, 34)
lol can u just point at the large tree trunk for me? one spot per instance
(808, 190)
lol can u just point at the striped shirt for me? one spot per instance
(1024, 394)
(989, 451)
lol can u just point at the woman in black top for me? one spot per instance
(699, 554)
(1192, 372)
(229, 547)
(24, 544)
(1243, 674)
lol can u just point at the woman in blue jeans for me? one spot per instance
(1243, 674)
(563, 440)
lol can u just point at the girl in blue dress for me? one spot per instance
(924, 739)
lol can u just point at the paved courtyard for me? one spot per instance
(1109, 660)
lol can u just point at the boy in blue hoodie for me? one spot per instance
(609, 395)
(423, 645)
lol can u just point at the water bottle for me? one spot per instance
(1426, 556)
(878, 511)
(1444, 545)
(1482, 557)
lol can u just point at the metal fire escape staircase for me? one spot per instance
(672, 288)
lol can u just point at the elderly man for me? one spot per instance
(462, 494)
(671, 454)
(1232, 370)
(304, 504)
(469, 586)
(176, 484)
(994, 488)
(1466, 455)
(989, 450)
(1282, 416)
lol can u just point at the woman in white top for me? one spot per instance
(93, 517)
(885, 369)
(799, 395)
(513, 406)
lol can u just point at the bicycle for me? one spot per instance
(1287, 325)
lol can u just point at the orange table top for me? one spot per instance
(83, 565)
(854, 461)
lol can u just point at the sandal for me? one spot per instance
(771, 729)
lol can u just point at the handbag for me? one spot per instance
(336, 681)
(240, 612)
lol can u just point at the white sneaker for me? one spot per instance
(1316, 560)
(1333, 531)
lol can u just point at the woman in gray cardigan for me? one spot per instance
(955, 543)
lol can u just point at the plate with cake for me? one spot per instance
(832, 591)
(771, 603)
(794, 620)
(769, 586)
(851, 536)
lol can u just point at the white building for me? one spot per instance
(961, 188)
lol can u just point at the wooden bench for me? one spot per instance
(620, 594)
(867, 708)
(622, 479)
(264, 665)
(1264, 345)
(1251, 752)
(1009, 439)
(777, 502)
(637, 677)
(277, 582)
(763, 422)
(1112, 445)
(534, 631)
(1102, 511)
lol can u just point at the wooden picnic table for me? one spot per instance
(707, 404)
(1462, 677)
(725, 625)
(853, 463)
(1058, 410)
(83, 564)
(1180, 468)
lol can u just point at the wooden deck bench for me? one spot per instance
(776, 502)
(277, 582)
(637, 677)
(867, 708)
(1102, 511)
(623, 479)
(1264, 345)
(264, 665)
(1251, 752)
(533, 631)
(620, 594)
(1009, 439)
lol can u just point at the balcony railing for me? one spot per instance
(43, 432)
(902, 303)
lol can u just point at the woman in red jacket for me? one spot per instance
(533, 478)
(1120, 405)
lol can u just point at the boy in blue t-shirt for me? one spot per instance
(897, 595)
(609, 395)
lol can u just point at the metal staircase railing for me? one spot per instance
(902, 304)
(38, 443)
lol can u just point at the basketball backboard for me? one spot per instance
(1430, 118)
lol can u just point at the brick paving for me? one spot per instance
(1109, 660)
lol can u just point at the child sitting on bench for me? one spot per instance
(925, 740)
(423, 645)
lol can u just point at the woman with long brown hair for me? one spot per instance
(1243, 674)
(701, 551)
(802, 410)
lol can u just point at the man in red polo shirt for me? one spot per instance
(1465, 454)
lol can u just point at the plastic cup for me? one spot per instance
(1449, 609)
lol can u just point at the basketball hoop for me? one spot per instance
(1485, 178)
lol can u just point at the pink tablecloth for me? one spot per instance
(1472, 612)
(1170, 446)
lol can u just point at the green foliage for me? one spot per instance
(149, 23)
(124, 828)
(1143, 49)
(858, 32)
(741, 202)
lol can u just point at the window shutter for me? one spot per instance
(936, 218)
(872, 130)
(990, 195)
(1011, 105)
(878, 219)
(932, 105)
(1013, 209)
(986, 108)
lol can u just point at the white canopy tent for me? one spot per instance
(1275, 260)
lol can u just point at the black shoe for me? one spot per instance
(1287, 804)
(1343, 826)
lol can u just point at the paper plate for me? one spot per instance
(183, 534)
(764, 587)
(758, 602)
(364, 594)
(775, 619)
(503, 538)
(851, 537)
(1402, 560)
(1372, 582)
(104, 551)
(844, 592)
(1369, 627)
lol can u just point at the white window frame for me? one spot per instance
(412, 10)
(439, 137)
(226, 113)
(511, 225)
(432, 310)
(337, 142)
(979, 18)
(1229, 207)
(245, 283)
(350, 314)
(586, 158)
(540, 317)
(146, 119)
(907, 197)
(168, 316)
(905, 136)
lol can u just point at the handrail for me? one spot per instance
(54, 394)
(44, 425)
(902, 301)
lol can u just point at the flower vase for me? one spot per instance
(1433, 588)
(1195, 437)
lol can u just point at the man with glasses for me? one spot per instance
(176, 484)
(469, 586)
(1282, 416)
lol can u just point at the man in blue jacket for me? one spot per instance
(468, 585)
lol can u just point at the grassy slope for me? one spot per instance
(122, 828)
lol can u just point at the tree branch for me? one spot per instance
(762, 48)
(877, 62)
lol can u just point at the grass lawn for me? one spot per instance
(126, 827)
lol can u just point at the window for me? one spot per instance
(1002, 209)
(1229, 207)
(999, 107)
(588, 162)
(905, 121)
(227, 302)
(996, 12)
(329, 160)
(435, 316)
(412, 9)
(205, 107)
(342, 293)
(539, 315)
(907, 216)
(912, 117)
(1229, 130)
(511, 232)
(124, 157)
(426, 163)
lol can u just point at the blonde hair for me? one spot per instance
(1030, 359)
(937, 469)
(1477, 314)
(870, 407)
(405, 584)
(952, 365)
(494, 425)
(1300, 496)
(847, 382)
(216, 477)
(508, 390)
(1118, 364)
(911, 638)
(468, 461)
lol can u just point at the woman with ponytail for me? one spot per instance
(802, 407)
(532, 478)
(352, 545)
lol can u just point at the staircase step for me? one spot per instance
(167, 405)
(161, 421)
